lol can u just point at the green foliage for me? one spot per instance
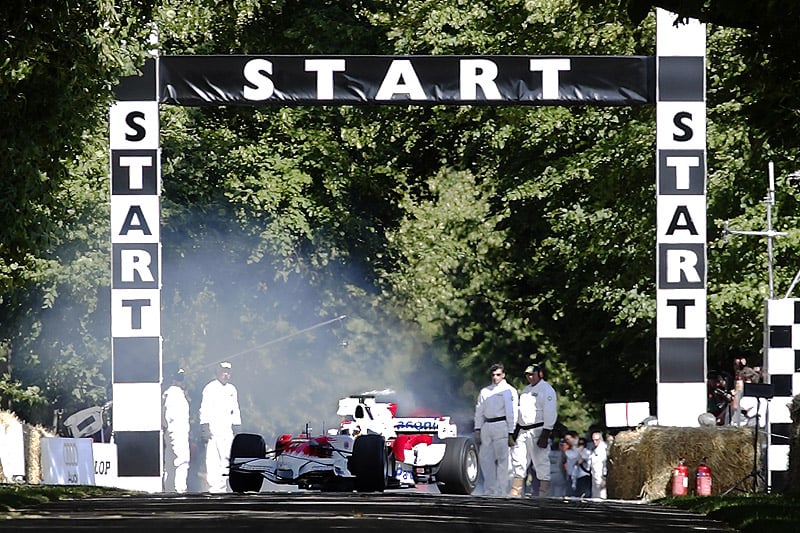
(20, 496)
(450, 237)
(16, 396)
(60, 62)
(751, 513)
(278, 27)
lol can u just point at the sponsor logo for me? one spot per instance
(417, 425)
(102, 468)
(70, 454)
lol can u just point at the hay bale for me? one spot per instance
(33, 451)
(641, 461)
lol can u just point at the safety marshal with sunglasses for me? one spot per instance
(495, 419)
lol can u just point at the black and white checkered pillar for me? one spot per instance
(681, 220)
(136, 281)
(781, 364)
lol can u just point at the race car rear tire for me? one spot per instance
(246, 445)
(369, 463)
(458, 471)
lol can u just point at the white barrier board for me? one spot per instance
(105, 464)
(630, 414)
(67, 461)
(12, 450)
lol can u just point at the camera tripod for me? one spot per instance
(755, 474)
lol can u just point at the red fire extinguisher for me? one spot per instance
(680, 479)
(703, 479)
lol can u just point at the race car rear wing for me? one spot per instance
(378, 417)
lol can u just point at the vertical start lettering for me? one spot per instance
(681, 220)
(136, 282)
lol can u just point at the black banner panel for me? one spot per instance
(139, 453)
(351, 80)
(681, 79)
(682, 360)
(136, 360)
(139, 87)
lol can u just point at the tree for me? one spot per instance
(60, 64)
(769, 17)
(450, 237)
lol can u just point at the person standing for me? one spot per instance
(495, 419)
(583, 471)
(749, 406)
(558, 475)
(720, 398)
(571, 452)
(176, 434)
(220, 419)
(599, 466)
(538, 411)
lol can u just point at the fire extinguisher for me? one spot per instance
(703, 479)
(680, 479)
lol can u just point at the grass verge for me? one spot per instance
(17, 495)
(749, 513)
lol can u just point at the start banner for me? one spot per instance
(459, 80)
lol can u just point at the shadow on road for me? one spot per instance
(389, 512)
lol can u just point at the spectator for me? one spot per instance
(495, 420)
(739, 364)
(220, 419)
(720, 397)
(558, 475)
(571, 453)
(583, 471)
(749, 406)
(599, 466)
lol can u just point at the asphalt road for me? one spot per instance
(387, 512)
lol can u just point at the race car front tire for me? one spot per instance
(246, 445)
(458, 471)
(369, 463)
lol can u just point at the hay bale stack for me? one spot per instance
(33, 451)
(641, 461)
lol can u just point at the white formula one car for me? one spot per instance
(371, 451)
